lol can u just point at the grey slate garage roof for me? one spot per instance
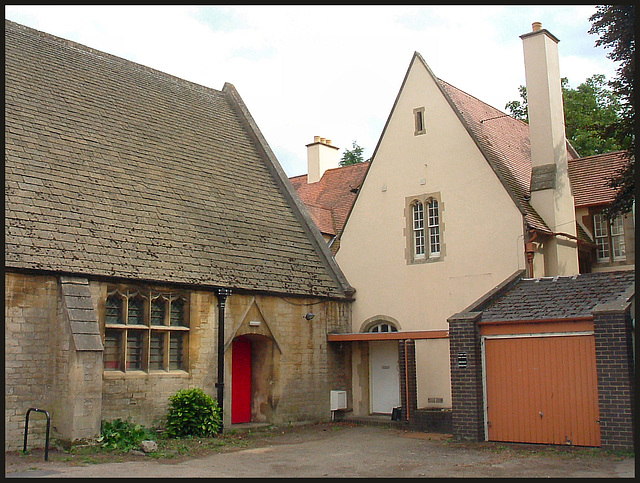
(556, 297)
(115, 169)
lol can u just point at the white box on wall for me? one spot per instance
(338, 400)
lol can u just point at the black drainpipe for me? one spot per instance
(222, 294)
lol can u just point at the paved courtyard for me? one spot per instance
(347, 450)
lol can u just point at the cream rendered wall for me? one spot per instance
(482, 230)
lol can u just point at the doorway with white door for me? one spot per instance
(384, 376)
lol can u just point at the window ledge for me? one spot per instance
(421, 261)
(141, 374)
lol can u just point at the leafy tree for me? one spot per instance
(614, 24)
(590, 110)
(518, 109)
(352, 156)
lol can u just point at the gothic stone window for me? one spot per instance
(424, 241)
(145, 330)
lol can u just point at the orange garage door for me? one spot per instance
(542, 389)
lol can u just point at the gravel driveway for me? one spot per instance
(341, 450)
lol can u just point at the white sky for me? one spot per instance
(329, 71)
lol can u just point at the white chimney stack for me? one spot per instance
(321, 155)
(550, 190)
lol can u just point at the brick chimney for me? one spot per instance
(321, 155)
(550, 190)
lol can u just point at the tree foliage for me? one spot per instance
(352, 156)
(600, 116)
(589, 110)
(614, 24)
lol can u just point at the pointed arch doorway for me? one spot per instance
(241, 380)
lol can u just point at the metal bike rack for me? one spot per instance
(26, 431)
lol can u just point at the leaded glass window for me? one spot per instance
(145, 330)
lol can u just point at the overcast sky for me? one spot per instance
(329, 71)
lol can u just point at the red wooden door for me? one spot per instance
(241, 381)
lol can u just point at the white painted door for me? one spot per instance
(384, 376)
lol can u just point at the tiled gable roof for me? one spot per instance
(589, 177)
(505, 142)
(115, 169)
(330, 199)
(558, 297)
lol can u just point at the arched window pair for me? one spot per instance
(426, 236)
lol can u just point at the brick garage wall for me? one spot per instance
(31, 312)
(467, 419)
(616, 378)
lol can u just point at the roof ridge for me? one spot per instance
(620, 152)
(85, 49)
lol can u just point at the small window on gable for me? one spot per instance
(418, 115)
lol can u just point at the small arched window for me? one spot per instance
(114, 312)
(383, 327)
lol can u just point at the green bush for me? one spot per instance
(123, 435)
(193, 413)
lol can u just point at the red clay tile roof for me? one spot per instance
(506, 145)
(329, 201)
(589, 177)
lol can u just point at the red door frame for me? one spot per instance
(241, 381)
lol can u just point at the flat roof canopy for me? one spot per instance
(373, 336)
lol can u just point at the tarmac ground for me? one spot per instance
(340, 450)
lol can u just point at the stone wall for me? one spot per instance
(31, 311)
(297, 367)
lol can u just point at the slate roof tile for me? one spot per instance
(557, 297)
(115, 169)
